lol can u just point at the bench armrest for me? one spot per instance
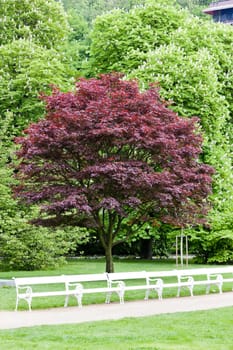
(77, 289)
(216, 276)
(155, 284)
(27, 289)
(74, 286)
(117, 283)
(153, 280)
(186, 278)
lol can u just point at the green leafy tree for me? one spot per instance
(90, 9)
(120, 40)
(27, 69)
(81, 14)
(21, 245)
(42, 21)
(31, 33)
(192, 81)
(75, 51)
(191, 60)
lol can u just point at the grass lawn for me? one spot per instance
(84, 266)
(211, 330)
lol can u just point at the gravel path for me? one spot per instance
(114, 311)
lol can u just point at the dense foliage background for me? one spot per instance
(46, 42)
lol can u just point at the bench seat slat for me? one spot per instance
(44, 294)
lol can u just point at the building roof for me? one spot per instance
(218, 5)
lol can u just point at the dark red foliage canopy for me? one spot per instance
(109, 148)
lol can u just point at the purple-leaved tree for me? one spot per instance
(107, 157)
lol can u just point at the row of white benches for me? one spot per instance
(150, 281)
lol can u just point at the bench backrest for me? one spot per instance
(25, 281)
(206, 271)
(190, 272)
(161, 274)
(86, 277)
(120, 276)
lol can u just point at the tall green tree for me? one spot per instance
(120, 40)
(26, 70)
(23, 246)
(42, 21)
(191, 60)
(81, 14)
(90, 9)
(198, 76)
(75, 51)
(31, 33)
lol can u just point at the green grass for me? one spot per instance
(84, 266)
(210, 330)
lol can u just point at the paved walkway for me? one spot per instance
(114, 311)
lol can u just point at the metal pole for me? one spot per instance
(181, 250)
(187, 253)
(176, 250)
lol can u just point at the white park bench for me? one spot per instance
(69, 285)
(24, 290)
(140, 282)
(120, 282)
(75, 283)
(72, 285)
(187, 278)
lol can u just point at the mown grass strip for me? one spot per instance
(211, 329)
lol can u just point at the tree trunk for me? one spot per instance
(109, 259)
(146, 248)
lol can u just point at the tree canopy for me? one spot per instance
(191, 59)
(41, 21)
(31, 33)
(120, 40)
(26, 69)
(108, 156)
(90, 9)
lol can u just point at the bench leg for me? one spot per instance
(219, 285)
(147, 294)
(121, 292)
(16, 306)
(158, 290)
(24, 293)
(30, 305)
(121, 295)
(79, 299)
(108, 298)
(190, 288)
(160, 293)
(66, 301)
(28, 301)
(75, 289)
